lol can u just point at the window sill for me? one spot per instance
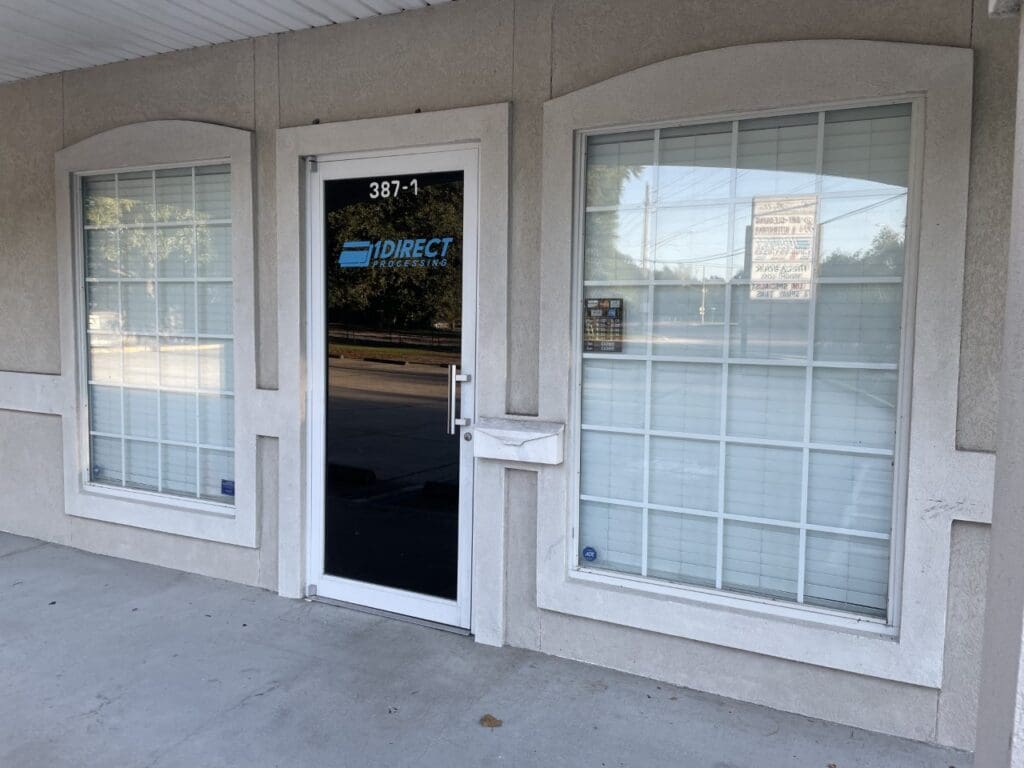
(749, 604)
(195, 519)
(167, 501)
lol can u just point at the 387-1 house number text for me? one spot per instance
(392, 188)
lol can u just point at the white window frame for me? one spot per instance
(941, 484)
(149, 146)
(908, 283)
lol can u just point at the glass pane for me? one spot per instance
(178, 363)
(852, 492)
(105, 455)
(138, 307)
(612, 465)
(692, 243)
(682, 228)
(616, 246)
(105, 409)
(99, 201)
(101, 253)
(105, 358)
(614, 533)
(104, 313)
(619, 168)
(686, 397)
(682, 548)
(862, 237)
(217, 475)
(777, 155)
(867, 150)
(178, 417)
(634, 313)
(217, 420)
(215, 308)
(761, 559)
(179, 469)
(141, 226)
(213, 250)
(216, 365)
(614, 392)
(138, 252)
(853, 407)
(766, 401)
(684, 473)
(174, 195)
(135, 194)
(141, 366)
(695, 163)
(858, 323)
(846, 573)
(763, 482)
(175, 251)
(770, 329)
(141, 462)
(213, 192)
(140, 413)
(177, 308)
(689, 320)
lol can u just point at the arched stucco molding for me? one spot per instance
(942, 483)
(144, 146)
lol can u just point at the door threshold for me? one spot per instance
(389, 615)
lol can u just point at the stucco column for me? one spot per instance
(1000, 738)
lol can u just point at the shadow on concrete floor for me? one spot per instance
(105, 662)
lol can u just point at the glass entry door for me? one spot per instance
(393, 256)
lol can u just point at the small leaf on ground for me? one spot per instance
(490, 721)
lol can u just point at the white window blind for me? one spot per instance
(742, 434)
(158, 287)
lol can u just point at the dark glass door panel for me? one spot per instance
(394, 323)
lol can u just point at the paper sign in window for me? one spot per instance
(782, 247)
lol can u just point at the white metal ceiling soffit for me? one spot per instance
(40, 37)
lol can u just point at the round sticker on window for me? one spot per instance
(589, 554)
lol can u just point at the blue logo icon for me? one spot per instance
(227, 487)
(405, 252)
(355, 253)
(589, 554)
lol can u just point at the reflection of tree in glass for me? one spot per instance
(884, 257)
(139, 251)
(603, 259)
(386, 297)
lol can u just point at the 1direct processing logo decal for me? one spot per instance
(419, 252)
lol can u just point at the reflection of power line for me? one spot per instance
(862, 209)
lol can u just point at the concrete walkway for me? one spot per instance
(110, 663)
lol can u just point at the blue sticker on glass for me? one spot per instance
(589, 554)
(227, 487)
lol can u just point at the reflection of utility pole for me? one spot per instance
(647, 218)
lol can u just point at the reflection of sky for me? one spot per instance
(693, 240)
(685, 201)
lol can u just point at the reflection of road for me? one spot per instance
(392, 477)
(390, 419)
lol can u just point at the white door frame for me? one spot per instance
(363, 165)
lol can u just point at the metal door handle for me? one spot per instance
(454, 379)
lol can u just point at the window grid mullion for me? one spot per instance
(761, 521)
(809, 376)
(159, 373)
(726, 333)
(650, 239)
(120, 328)
(195, 324)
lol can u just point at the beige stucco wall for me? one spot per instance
(463, 54)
